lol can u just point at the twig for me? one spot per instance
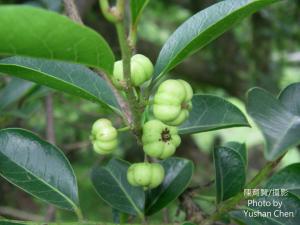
(74, 146)
(50, 136)
(19, 214)
(126, 51)
(72, 11)
(120, 99)
(231, 203)
(166, 216)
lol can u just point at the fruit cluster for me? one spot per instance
(172, 103)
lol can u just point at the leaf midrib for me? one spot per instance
(73, 205)
(282, 137)
(60, 80)
(168, 67)
(161, 193)
(124, 191)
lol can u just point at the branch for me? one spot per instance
(74, 146)
(231, 203)
(50, 136)
(72, 11)
(126, 51)
(120, 99)
(19, 214)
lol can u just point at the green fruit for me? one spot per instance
(172, 102)
(159, 140)
(141, 71)
(148, 175)
(104, 136)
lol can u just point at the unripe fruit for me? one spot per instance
(172, 102)
(148, 175)
(159, 140)
(104, 136)
(141, 71)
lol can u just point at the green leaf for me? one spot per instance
(287, 178)
(203, 28)
(279, 126)
(211, 113)
(178, 174)
(34, 32)
(14, 91)
(137, 7)
(239, 148)
(289, 97)
(290, 203)
(110, 182)
(230, 169)
(38, 168)
(69, 78)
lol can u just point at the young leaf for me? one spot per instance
(239, 148)
(14, 91)
(288, 178)
(289, 97)
(203, 28)
(230, 169)
(38, 168)
(279, 126)
(137, 7)
(66, 77)
(178, 174)
(110, 182)
(34, 32)
(212, 113)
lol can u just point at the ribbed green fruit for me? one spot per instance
(159, 140)
(141, 71)
(104, 136)
(172, 102)
(147, 175)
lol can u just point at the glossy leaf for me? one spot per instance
(178, 174)
(279, 126)
(137, 7)
(38, 168)
(290, 203)
(203, 28)
(289, 97)
(239, 148)
(66, 77)
(34, 32)
(14, 91)
(212, 113)
(287, 178)
(110, 182)
(230, 169)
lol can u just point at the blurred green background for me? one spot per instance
(263, 50)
